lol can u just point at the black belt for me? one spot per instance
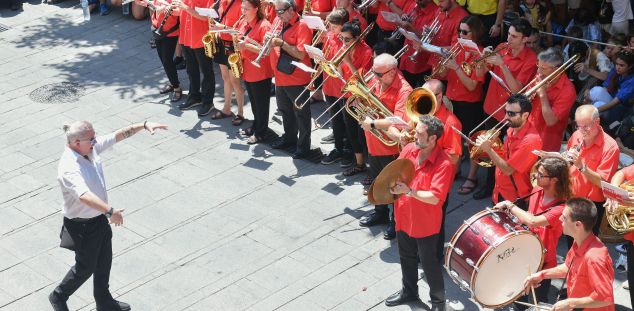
(85, 220)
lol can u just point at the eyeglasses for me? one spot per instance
(585, 128)
(540, 175)
(380, 74)
(463, 32)
(93, 141)
(512, 113)
(279, 12)
(345, 39)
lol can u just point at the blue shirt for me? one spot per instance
(625, 90)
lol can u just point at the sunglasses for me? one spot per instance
(279, 12)
(380, 74)
(512, 113)
(345, 39)
(463, 32)
(93, 141)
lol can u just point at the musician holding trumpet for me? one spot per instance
(288, 46)
(414, 64)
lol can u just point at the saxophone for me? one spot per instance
(209, 42)
(307, 5)
(235, 60)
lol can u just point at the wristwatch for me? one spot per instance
(109, 212)
(583, 168)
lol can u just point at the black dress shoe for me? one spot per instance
(399, 299)
(299, 154)
(482, 193)
(114, 306)
(281, 144)
(57, 302)
(438, 307)
(373, 219)
(390, 232)
(190, 103)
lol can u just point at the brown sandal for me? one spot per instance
(218, 114)
(177, 95)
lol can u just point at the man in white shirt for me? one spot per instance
(87, 213)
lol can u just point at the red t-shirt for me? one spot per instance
(298, 35)
(518, 149)
(590, 272)
(561, 96)
(434, 174)
(232, 16)
(448, 33)
(380, 20)
(602, 156)
(523, 67)
(191, 29)
(322, 5)
(628, 173)
(256, 31)
(450, 141)
(361, 58)
(171, 21)
(394, 100)
(332, 86)
(549, 234)
(455, 89)
(423, 16)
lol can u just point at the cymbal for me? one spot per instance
(370, 195)
(398, 170)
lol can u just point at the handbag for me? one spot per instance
(66, 241)
(284, 63)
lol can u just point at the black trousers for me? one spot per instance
(413, 250)
(355, 135)
(260, 96)
(338, 122)
(440, 248)
(377, 163)
(93, 257)
(198, 62)
(165, 48)
(295, 121)
(469, 114)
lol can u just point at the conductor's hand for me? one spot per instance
(117, 217)
(152, 126)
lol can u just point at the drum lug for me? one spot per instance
(472, 264)
(485, 240)
(525, 227)
(509, 229)
(494, 215)
(458, 251)
(515, 219)
(473, 229)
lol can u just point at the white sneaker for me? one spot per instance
(626, 285)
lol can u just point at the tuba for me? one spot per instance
(622, 218)
(421, 101)
(209, 42)
(364, 104)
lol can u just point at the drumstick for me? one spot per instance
(532, 287)
(531, 305)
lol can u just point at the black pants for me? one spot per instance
(440, 249)
(411, 251)
(469, 114)
(355, 134)
(93, 257)
(197, 61)
(338, 123)
(260, 96)
(295, 121)
(377, 163)
(165, 48)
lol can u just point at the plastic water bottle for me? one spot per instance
(84, 6)
(126, 9)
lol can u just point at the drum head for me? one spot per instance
(541, 304)
(501, 272)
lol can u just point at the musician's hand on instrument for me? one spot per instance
(277, 42)
(610, 205)
(179, 4)
(495, 60)
(404, 138)
(241, 46)
(367, 124)
(451, 64)
(399, 188)
(484, 143)
(503, 205)
(532, 280)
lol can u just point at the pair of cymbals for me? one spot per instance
(398, 170)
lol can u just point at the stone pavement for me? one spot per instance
(210, 223)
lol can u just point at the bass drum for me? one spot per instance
(490, 255)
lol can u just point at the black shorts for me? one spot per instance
(225, 48)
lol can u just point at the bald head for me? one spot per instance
(76, 130)
(385, 61)
(587, 112)
(435, 86)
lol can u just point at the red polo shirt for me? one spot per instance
(590, 272)
(628, 173)
(256, 31)
(322, 5)
(450, 141)
(361, 58)
(171, 21)
(434, 174)
(518, 149)
(269, 12)
(424, 16)
(380, 21)
(191, 29)
(297, 35)
(232, 16)
(561, 96)
(523, 67)
(602, 156)
(332, 86)
(354, 13)
(455, 89)
(549, 234)
(448, 33)
(393, 99)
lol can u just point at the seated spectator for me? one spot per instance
(139, 12)
(613, 97)
(614, 46)
(589, 26)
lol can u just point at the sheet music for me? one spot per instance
(469, 46)
(408, 34)
(314, 53)
(613, 192)
(391, 17)
(432, 48)
(303, 67)
(207, 12)
(314, 22)
(500, 81)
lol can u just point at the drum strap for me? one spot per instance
(564, 283)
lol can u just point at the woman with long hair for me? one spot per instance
(612, 99)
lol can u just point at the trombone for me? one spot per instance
(331, 67)
(428, 35)
(442, 65)
(266, 45)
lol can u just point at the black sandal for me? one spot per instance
(354, 170)
(166, 89)
(253, 140)
(249, 131)
(218, 114)
(177, 95)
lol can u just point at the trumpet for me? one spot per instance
(396, 34)
(365, 5)
(428, 35)
(477, 63)
(266, 45)
(442, 65)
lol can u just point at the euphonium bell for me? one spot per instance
(621, 218)
(421, 101)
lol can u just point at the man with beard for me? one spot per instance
(418, 212)
(512, 169)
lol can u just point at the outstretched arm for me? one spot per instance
(130, 130)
